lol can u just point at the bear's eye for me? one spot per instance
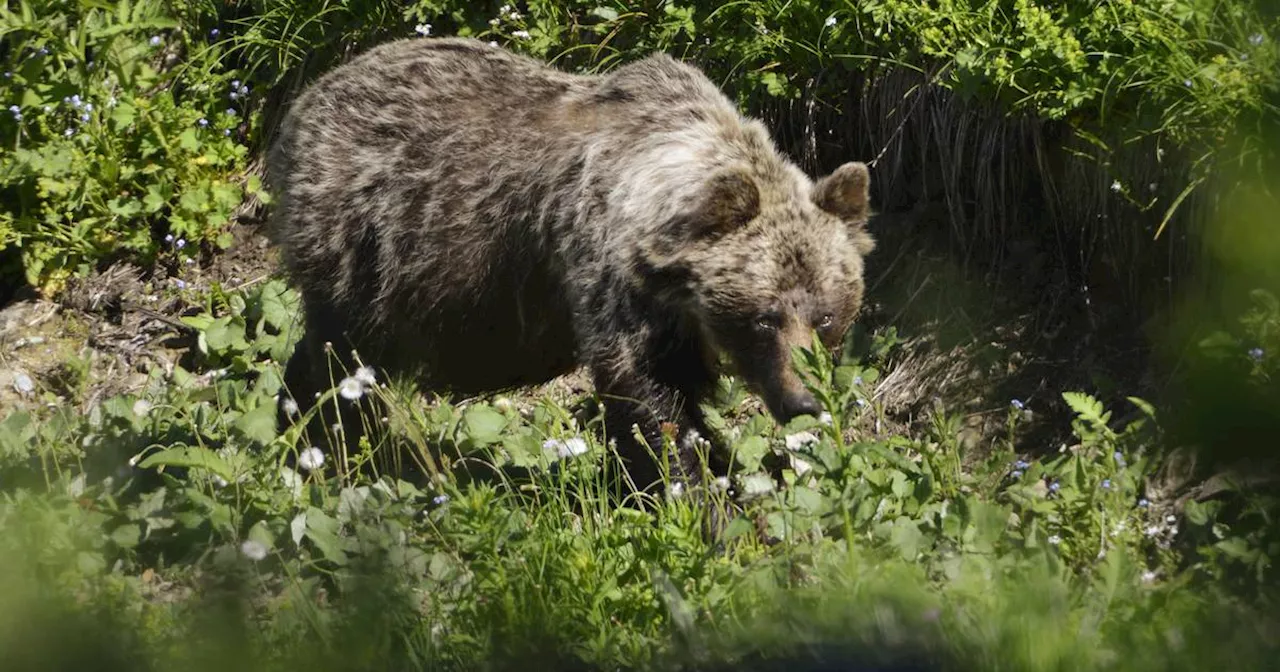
(768, 322)
(827, 321)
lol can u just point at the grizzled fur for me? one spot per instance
(480, 221)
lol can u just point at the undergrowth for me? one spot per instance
(181, 517)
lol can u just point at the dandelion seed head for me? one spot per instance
(351, 388)
(311, 459)
(366, 375)
(254, 550)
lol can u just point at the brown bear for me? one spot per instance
(478, 220)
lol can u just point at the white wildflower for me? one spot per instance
(831, 21)
(1116, 186)
(423, 29)
(311, 459)
(1055, 539)
(290, 406)
(1153, 530)
(566, 448)
(720, 484)
(522, 34)
(825, 418)
(254, 550)
(1148, 576)
(800, 440)
(141, 407)
(677, 490)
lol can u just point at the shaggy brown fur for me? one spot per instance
(478, 220)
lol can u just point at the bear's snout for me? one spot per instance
(795, 404)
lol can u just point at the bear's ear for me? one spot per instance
(845, 193)
(729, 200)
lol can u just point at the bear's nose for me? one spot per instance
(800, 404)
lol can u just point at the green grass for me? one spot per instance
(169, 530)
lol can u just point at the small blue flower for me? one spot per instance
(168, 238)
(15, 109)
(1256, 354)
(74, 100)
(84, 117)
(69, 132)
(231, 111)
(226, 132)
(1186, 83)
(180, 244)
(1017, 403)
(1256, 39)
(1106, 484)
(1054, 486)
(88, 107)
(155, 40)
(235, 83)
(203, 121)
(213, 33)
(1015, 474)
(440, 500)
(8, 74)
(44, 51)
(1021, 464)
(233, 95)
(17, 116)
(1143, 503)
(1119, 458)
(244, 89)
(180, 284)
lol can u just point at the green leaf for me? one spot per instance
(751, 451)
(258, 424)
(484, 424)
(127, 536)
(189, 457)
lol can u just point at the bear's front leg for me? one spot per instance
(648, 382)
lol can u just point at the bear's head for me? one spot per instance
(759, 261)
